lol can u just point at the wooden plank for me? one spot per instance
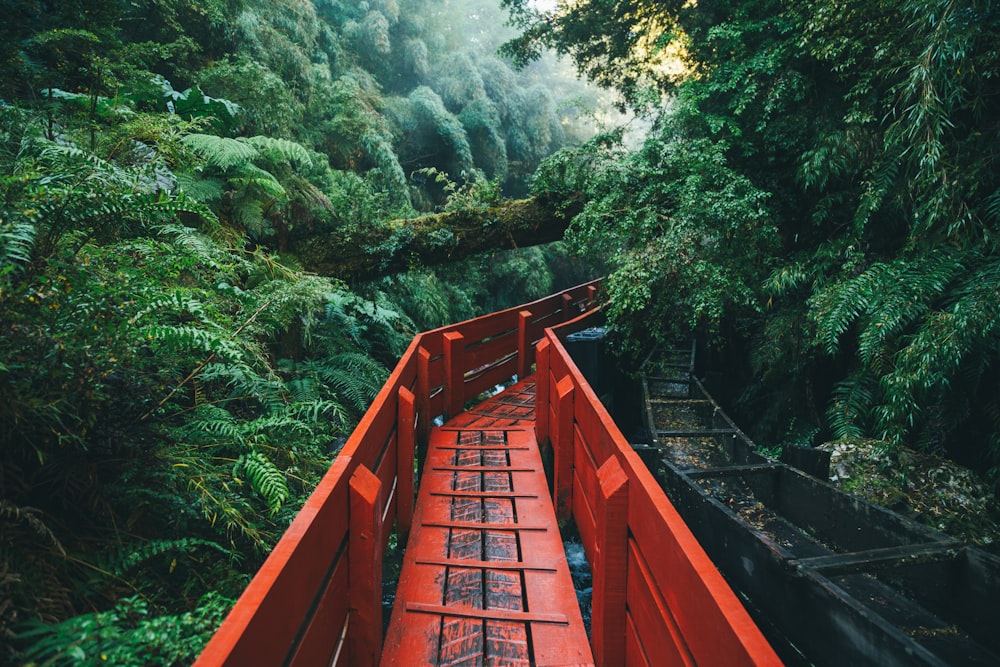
(315, 647)
(658, 632)
(364, 637)
(507, 597)
(610, 566)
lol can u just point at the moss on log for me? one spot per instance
(433, 239)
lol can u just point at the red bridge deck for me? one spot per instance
(485, 579)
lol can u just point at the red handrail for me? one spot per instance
(317, 598)
(657, 598)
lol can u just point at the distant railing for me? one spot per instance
(657, 598)
(317, 598)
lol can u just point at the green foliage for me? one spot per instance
(130, 633)
(172, 384)
(819, 190)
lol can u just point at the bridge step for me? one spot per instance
(484, 578)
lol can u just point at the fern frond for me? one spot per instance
(252, 178)
(356, 377)
(131, 556)
(221, 152)
(265, 478)
(277, 150)
(17, 239)
(186, 338)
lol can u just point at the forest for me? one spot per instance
(222, 221)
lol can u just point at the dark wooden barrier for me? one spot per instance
(317, 598)
(658, 599)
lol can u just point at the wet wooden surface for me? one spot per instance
(485, 579)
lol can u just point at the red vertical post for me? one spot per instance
(591, 295)
(405, 446)
(562, 445)
(424, 395)
(524, 349)
(610, 566)
(542, 391)
(364, 635)
(454, 374)
(567, 307)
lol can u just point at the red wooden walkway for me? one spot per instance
(485, 580)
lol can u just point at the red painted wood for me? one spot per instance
(656, 628)
(525, 353)
(522, 610)
(634, 655)
(542, 394)
(406, 444)
(331, 615)
(263, 625)
(610, 566)
(366, 548)
(454, 371)
(562, 445)
(711, 625)
(424, 414)
(678, 609)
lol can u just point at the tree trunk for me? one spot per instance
(433, 239)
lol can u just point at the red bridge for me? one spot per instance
(484, 578)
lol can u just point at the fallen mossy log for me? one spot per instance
(434, 239)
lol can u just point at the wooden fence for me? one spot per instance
(657, 598)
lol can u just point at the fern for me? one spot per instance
(131, 556)
(221, 152)
(356, 377)
(265, 478)
(16, 242)
(186, 338)
(850, 409)
(277, 150)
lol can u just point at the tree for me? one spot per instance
(865, 130)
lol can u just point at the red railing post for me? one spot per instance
(542, 392)
(405, 445)
(562, 445)
(610, 565)
(591, 295)
(424, 395)
(567, 308)
(364, 635)
(524, 348)
(454, 373)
